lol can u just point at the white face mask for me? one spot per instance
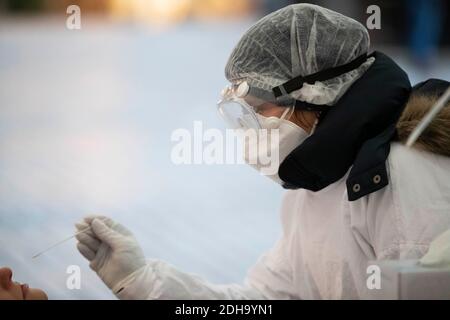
(277, 139)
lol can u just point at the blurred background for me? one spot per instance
(86, 118)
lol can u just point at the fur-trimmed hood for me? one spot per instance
(436, 137)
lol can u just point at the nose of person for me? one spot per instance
(5, 277)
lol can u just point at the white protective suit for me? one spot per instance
(327, 240)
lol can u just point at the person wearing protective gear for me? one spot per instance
(288, 69)
(356, 195)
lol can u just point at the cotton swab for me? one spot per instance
(60, 242)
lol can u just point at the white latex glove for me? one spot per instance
(111, 248)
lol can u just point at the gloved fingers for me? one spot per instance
(85, 251)
(104, 232)
(81, 225)
(88, 240)
(85, 228)
(100, 257)
(108, 221)
(122, 230)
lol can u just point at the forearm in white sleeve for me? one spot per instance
(268, 279)
(159, 280)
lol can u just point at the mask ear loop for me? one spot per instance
(288, 110)
(316, 122)
(314, 127)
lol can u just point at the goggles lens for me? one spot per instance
(238, 116)
(242, 112)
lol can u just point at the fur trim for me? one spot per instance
(435, 138)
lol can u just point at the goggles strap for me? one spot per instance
(302, 105)
(297, 82)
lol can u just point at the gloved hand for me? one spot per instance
(112, 250)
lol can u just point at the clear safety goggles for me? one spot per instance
(241, 106)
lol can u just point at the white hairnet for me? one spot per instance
(300, 40)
